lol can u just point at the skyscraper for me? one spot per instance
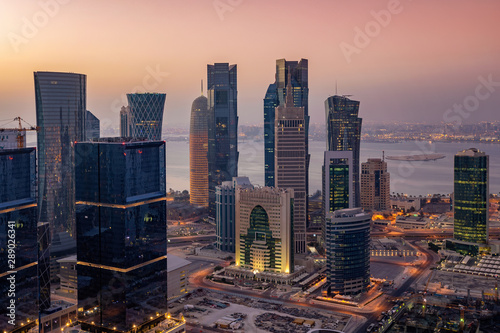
(125, 128)
(18, 239)
(344, 133)
(347, 251)
(471, 196)
(375, 185)
(222, 127)
(291, 162)
(121, 224)
(225, 202)
(198, 150)
(264, 229)
(60, 113)
(337, 183)
(146, 115)
(92, 128)
(275, 96)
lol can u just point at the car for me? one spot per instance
(370, 328)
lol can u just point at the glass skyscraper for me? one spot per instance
(146, 115)
(198, 150)
(344, 133)
(275, 96)
(60, 113)
(222, 127)
(471, 196)
(18, 240)
(121, 225)
(92, 128)
(347, 251)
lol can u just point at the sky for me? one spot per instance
(403, 60)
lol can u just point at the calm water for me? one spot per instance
(406, 177)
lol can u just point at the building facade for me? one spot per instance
(145, 115)
(198, 151)
(225, 212)
(125, 130)
(264, 228)
(121, 224)
(344, 133)
(92, 127)
(290, 154)
(275, 96)
(222, 127)
(60, 113)
(347, 251)
(471, 196)
(18, 239)
(9, 138)
(177, 277)
(375, 185)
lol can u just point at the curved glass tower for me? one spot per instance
(146, 115)
(198, 150)
(60, 114)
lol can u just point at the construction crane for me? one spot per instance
(20, 130)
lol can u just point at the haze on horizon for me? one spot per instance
(413, 66)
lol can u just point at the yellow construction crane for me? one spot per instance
(20, 130)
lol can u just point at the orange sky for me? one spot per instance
(426, 56)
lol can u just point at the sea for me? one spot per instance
(407, 177)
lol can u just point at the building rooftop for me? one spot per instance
(174, 262)
(472, 152)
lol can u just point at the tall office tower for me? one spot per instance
(18, 239)
(121, 227)
(344, 133)
(375, 185)
(224, 212)
(146, 115)
(92, 127)
(348, 251)
(264, 227)
(198, 150)
(125, 122)
(60, 113)
(290, 156)
(222, 127)
(337, 183)
(276, 95)
(471, 196)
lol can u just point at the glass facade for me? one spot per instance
(198, 150)
(121, 225)
(348, 251)
(60, 112)
(18, 239)
(222, 127)
(146, 115)
(92, 127)
(275, 96)
(471, 196)
(224, 217)
(344, 133)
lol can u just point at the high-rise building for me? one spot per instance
(344, 133)
(222, 127)
(198, 151)
(18, 239)
(264, 227)
(146, 115)
(121, 227)
(125, 124)
(375, 185)
(290, 165)
(337, 183)
(225, 212)
(9, 139)
(471, 196)
(60, 113)
(347, 251)
(92, 128)
(275, 96)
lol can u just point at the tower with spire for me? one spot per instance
(290, 161)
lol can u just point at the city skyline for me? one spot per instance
(401, 58)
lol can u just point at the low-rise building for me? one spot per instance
(177, 278)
